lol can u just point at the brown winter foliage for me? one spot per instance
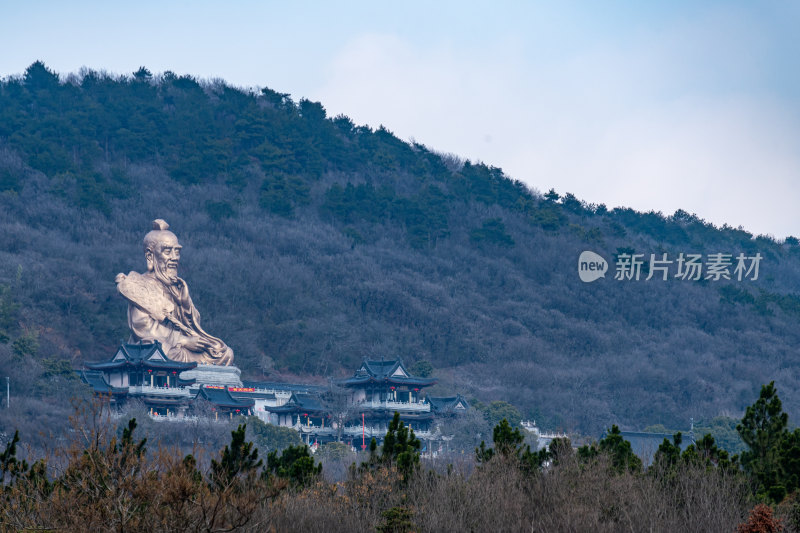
(104, 482)
(761, 521)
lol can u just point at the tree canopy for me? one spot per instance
(314, 242)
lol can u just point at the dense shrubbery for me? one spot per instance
(111, 481)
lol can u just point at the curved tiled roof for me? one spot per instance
(299, 403)
(141, 355)
(98, 382)
(393, 372)
(446, 403)
(221, 397)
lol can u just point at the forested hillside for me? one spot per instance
(311, 242)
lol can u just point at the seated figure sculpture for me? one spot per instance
(160, 308)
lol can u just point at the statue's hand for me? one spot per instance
(195, 344)
(177, 324)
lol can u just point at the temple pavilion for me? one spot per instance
(143, 372)
(379, 388)
(376, 390)
(369, 398)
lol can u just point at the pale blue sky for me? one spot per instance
(690, 105)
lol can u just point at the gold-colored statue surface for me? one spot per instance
(160, 308)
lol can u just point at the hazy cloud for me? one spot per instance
(675, 117)
(650, 105)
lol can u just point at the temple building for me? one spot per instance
(448, 405)
(301, 409)
(361, 409)
(375, 391)
(381, 388)
(223, 402)
(144, 372)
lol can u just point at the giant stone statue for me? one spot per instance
(160, 308)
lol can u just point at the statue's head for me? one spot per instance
(162, 252)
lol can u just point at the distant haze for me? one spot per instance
(680, 106)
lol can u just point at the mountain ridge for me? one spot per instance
(310, 243)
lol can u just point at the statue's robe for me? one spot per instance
(157, 312)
